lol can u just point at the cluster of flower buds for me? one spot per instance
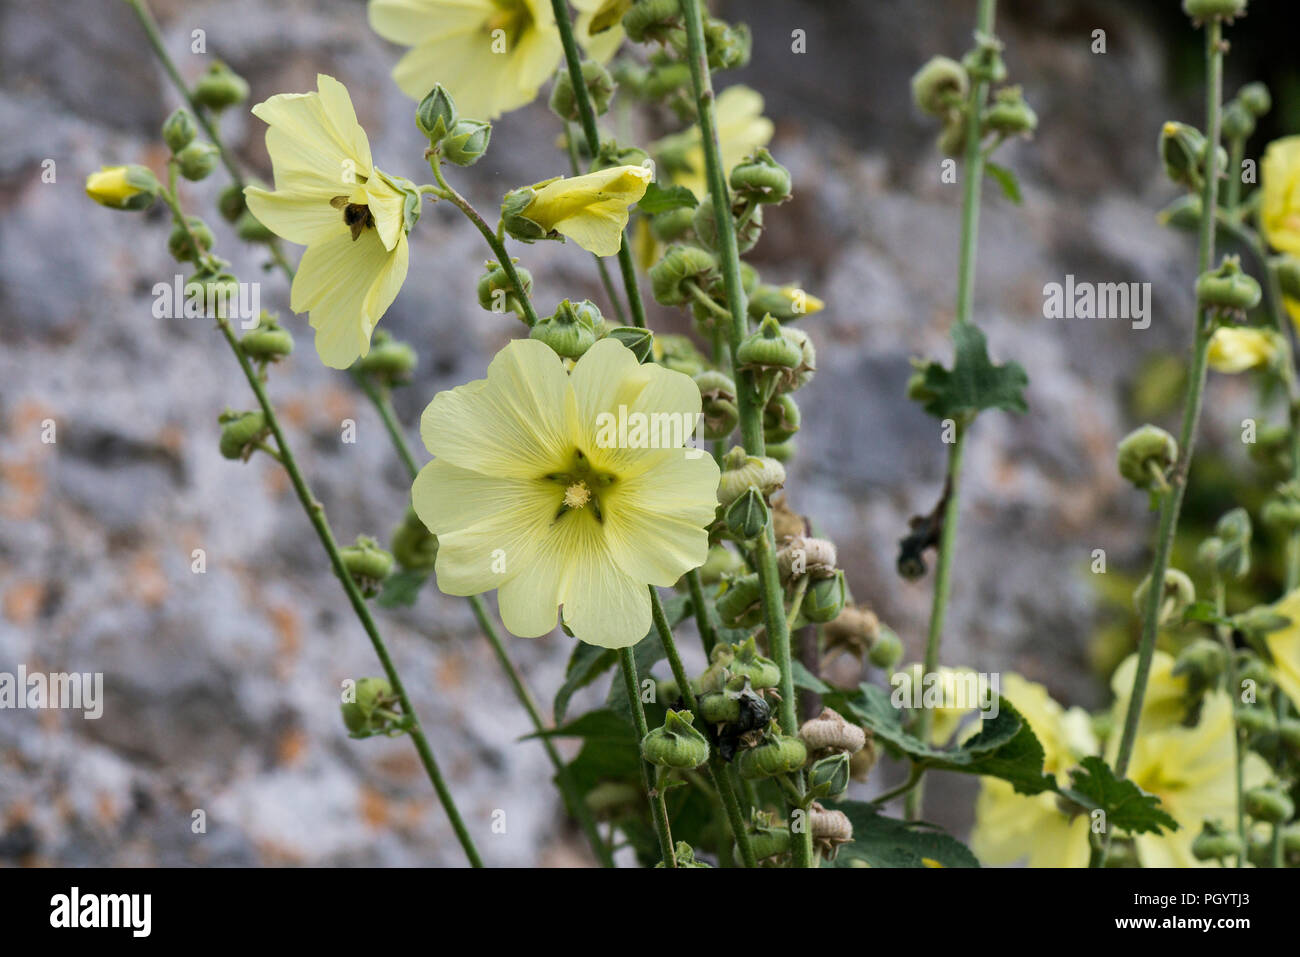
(459, 139)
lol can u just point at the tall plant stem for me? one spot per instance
(970, 220)
(1173, 499)
(627, 661)
(1224, 635)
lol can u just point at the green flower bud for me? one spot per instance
(768, 842)
(673, 224)
(179, 130)
(466, 142)
(267, 342)
(1009, 114)
(652, 20)
(825, 598)
(887, 650)
(1215, 844)
(1200, 10)
(367, 564)
(952, 135)
(741, 471)
(600, 89)
(984, 62)
(719, 707)
(829, 777)
(783, 452)
(1288, 730)
(783, 303)
(611, 155)
(1227, 289)
(769, 349)
(413, 546)
(240, 433)
(1202, 661)
(1176, 596)
(1255, 97)
(762, 672)
(830, 733)
(231, 203)
(181, 245)
(369, 696)
(677, 744)
(197, 160)
(939, 86)
(1238, 121)
(778, 754)
(1256, 722)
(679, 354)
(571, 330)
(738, 606)
(640, 341)
(746, 517)
(436, 114)
(1146, 455)
(1183, 213)
(131, 188)
(1288, 275)
(718, 403)
(761, 178)
(727, 47)
(667, 78)
(496, 293)
(220, 87)
(802, 374)
(1182, 150)
(1270, 804)
(780, 419)
(671, 277)
(721, 561)
(213, 287)
(389, 360)
(748, 230)
(250, 229)
(684, 855)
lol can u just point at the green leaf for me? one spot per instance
(1005, 746)
(586, 664)
(974, 383)
(882, 841)
(401, 589)
(662, 199)
(805, 679)
(1007, 180)
(600, 725)
(1127, 806)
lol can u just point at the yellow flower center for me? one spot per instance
(583, 485)
(512, 17)
(577, 495)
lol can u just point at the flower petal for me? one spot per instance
(314, 139)
(605, 607)
(300, 217)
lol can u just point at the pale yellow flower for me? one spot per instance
(742, 128)
(122, 187)
(1279, 210)
(351, 216)
(492, 56)
(600, 26)
(1284, 646)
(1236, 349)
(592, 209)
(1011, 826)
(951, 694)
(533, 493)
(1163, 705)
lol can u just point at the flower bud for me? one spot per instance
(214, 288)
(1009, 114)
(677, 744)
(600, 90)
(197, 160)
(231, 203)
(746, 517)
(681, 266)
(1288, 275)
(761, 178)
(1255, 97)
(761, 671)
(783, 303)
(825, 598)
(768, 349)
(466, 141)
(1176, 596)
(684, 855)
(719, 707)
(1215, 844)
(1227, 289)
(672, 224)
(748, 229)
(739, 605)
(180, 244)
(220, 87)
(717, 403)
(984, 62)
(1270, 804)
(389, 360)
(131, 187)
(777, 754)
(721, 561)
(829, 732)
(496, 293)
(370, 695)
(652, 20)
(727, 46)
(367, 564)
(611, 155)
(1256, 722)
(1146, 455)
(1288, 730)
(267, 341)
(251, 229)
(742, 471)
(1182, 150)
(1233, 533)
(640, 341)
(861, 762)
(804, 555)
(829, 777)
(952, 136)
(1183, 213)
(1202, 660)
(240, 433)
(1201, 10)
(781, 419)
(413, 546)
(768, 841)
(939, 86)
(802, 374)
(436, 114)
(570, 331)
(179, 130)
(887, 651)
(830, 829)
(1238, 122)
(853, 630)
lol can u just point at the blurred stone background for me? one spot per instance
(221, 688)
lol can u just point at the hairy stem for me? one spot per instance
(627, 661)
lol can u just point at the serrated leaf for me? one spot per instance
(401, 589)
(663, 199)
(1128, 808)
(886, 842)
(974, 383)
(805, 679)
(1008, 180)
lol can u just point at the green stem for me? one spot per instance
(1224, 635)
(703, 613)
(1191, 408)
(913, 779)
(627, 662)
(379, 397)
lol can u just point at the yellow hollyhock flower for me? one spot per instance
(122, 187)
(535, 493)
(742, 128)
(592, 209)
(600, 26)
(1237, 349)
(352, 217)
(1284, 646)
(492, 56)
(1279, 211)
(1011, 826)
